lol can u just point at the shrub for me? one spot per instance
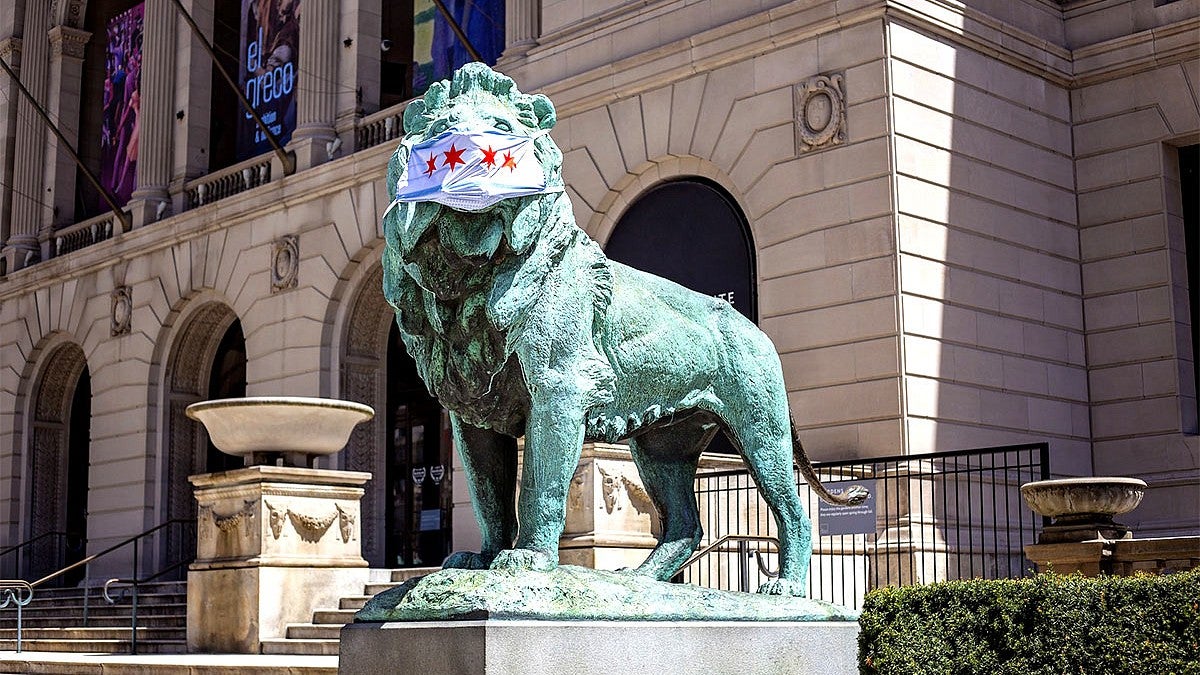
(1047, 625)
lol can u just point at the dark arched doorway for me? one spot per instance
(692, 232)
(405, 522)
(418, 465)
(207, 360)
(58, 486)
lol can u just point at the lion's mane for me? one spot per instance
(463, 284)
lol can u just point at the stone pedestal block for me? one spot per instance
(273, 544)
(599, 647)
(611, 522)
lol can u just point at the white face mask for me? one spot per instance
(472, 170)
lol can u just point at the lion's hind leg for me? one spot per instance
(667, 458)
(766, 447)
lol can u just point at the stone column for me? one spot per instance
(192, 95)
(522, 27)
(67, 47)
(22, 249)
(150, 200)
(10, 51)
(317, 83)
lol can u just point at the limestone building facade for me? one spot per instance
(969, 224)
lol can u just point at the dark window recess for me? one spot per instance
(693, 233)
(78, 459)
(396, 53)
(419, 495)
(224, 107)
(227, 380)
(1189, 187)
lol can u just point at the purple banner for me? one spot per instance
(122, 104)
(269, 49)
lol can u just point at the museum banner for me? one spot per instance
(437, 51)
(122, 103)
(270, 44)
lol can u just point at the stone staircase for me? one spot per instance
(321, 636)
(54, 621)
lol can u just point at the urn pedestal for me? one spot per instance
(273, 544)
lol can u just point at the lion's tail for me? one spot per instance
(854, 495)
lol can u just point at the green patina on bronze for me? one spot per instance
(520, 326)
(581, 594)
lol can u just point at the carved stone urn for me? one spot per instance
(264, 428)
(273, 543)
(1083, 508)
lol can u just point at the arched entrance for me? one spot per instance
(58, 466)
(207, 360)
(692, 232)
(405, 521)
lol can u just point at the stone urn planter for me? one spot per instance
(273, 543)
(1083, 508)
(263, 429)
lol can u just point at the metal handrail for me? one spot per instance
(10, 590)
(6, 585)
(33, 540)
(744, 553)
(110, 549)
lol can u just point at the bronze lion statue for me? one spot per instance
(521, 326)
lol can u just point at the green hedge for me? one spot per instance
(1046, 625)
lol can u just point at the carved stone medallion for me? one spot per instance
(285, 263)
(122, 310)
(821, 112)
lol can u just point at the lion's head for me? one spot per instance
(475, 99)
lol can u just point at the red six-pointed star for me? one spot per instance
(453, 156)
(431, 165)
(489, 157)
(509, 162)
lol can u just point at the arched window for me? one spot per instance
(691, 232)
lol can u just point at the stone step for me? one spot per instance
(338, 617)
(144, 599)
(405, 573)
(96, 646)
(94, 634)
(308, 631)
(158, 587)
(49, 621)
(375, 589)
(313, 647)
(355, 602)
(102, 609)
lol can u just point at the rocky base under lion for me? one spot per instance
(579, 593)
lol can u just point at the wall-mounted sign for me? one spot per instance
(122, 103)
(270, 46)
(418, 474)
(431, 519)
(436, 473)
(859, 519)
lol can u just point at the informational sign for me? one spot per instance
(418, 474)
(270, 45)
(436, 473)
(859, 519)
(437, 51)
(431, 519)
(122, 103)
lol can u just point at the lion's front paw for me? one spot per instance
(783, 587)
(518, 559)
(467, 560)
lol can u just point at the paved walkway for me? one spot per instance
(166, 664)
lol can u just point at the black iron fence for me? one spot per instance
(934, 517)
